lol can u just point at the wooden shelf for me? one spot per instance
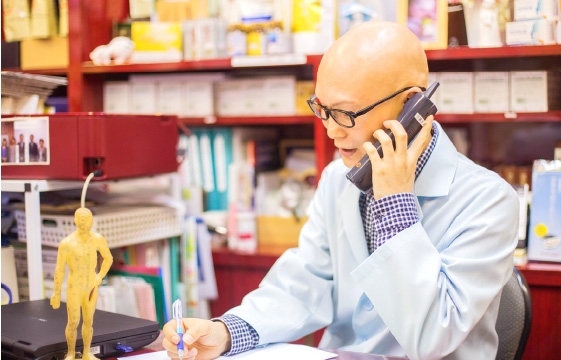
(39, 71)
(249, 120)
(549, 116)
(213, 64)
(493, 53)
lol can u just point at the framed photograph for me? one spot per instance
(25, 141)
(428, 19)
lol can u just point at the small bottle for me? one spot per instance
(247, 231)
(256, 40)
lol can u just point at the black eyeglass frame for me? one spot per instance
(352, 114)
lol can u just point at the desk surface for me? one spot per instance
(343, 355)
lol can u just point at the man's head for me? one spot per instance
(41, 142)
(369, 63)
(21, 137)
(83, 218)
(31, 138)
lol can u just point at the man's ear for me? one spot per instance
(412, 92)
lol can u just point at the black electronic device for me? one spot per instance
(413, 117)
(33, 330)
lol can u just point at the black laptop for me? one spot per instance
(33, 330)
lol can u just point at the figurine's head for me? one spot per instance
(83, 218)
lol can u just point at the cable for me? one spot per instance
(96, 173)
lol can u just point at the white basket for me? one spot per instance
(120, 226)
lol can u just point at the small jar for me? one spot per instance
(236, 40)
(278, 41)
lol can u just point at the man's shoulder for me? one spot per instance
(335, 173)
(480, 177)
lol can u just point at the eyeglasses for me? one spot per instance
(347, 118)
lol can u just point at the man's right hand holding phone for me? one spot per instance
(204, 339)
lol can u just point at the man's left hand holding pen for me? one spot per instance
(202, 339)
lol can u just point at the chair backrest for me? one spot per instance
(515, 318)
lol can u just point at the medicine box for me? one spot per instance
(280, 95)
(156, 41)
(534, 91)
(491, 92)
(144, 97)
(117, 97)
(545, 214)
(456, 92)
(531, 32)
(535, 9)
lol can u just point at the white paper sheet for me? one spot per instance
(269, 352)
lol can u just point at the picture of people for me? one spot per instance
(4, 149)
(21, 149)
(25, 141)
(42, 151)
(12, 150)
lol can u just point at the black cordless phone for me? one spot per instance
(415, 111)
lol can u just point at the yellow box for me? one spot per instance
(304, 91)
(279, 231)
(181, 10)
(49, 53)
(148, 36)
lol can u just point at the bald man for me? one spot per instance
(414, 268)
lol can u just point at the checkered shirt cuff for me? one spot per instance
(392, 214)
(244, 337)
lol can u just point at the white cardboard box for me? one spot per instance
(535, 9)
(531, 32)
(230, 96)
(197, 98)
(117, 97)
(456, 92)
(254, 101)
(280, 93)
(528, 91)
(491, 92)
(170, 99)
(144, 97)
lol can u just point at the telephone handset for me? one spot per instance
(415, 111)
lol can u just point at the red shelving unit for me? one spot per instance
(493, 53)
(500, 117)
(249, 120)
(214, 64)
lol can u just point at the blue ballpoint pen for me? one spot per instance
(178, 316)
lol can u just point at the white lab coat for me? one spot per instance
(430, 292)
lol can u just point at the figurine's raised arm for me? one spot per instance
(59, 272)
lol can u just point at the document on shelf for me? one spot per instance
(269, 352)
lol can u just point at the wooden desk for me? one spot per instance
(544, 280)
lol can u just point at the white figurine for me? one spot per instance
(119, 50)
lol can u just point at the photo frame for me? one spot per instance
(428, 19)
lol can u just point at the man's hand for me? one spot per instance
(204, 339)
(55, 301)
(395, 172)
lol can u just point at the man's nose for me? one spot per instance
(334, 130)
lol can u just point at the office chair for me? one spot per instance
(515, 318)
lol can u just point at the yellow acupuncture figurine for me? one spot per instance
(79, 250)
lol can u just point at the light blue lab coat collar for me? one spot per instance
(433, 181)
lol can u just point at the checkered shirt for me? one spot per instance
(244, 337)
(384, 218)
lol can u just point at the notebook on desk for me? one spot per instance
(34, 330)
